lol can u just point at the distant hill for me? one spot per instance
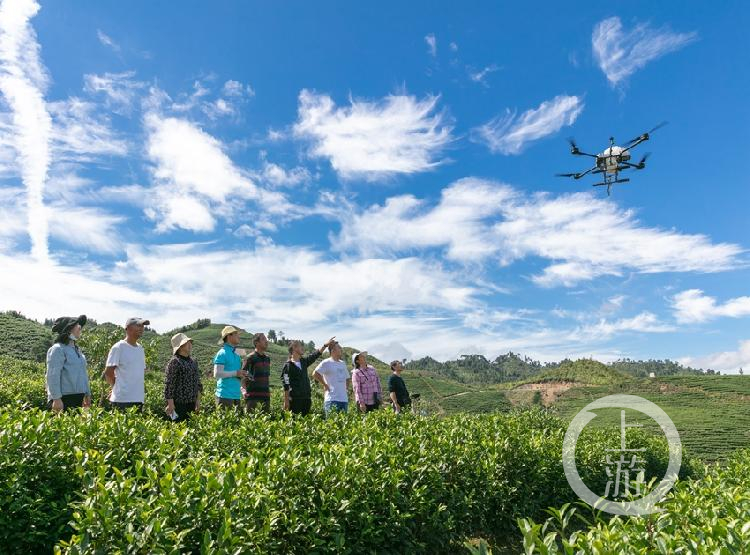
(512, 367)
(583, 371)
(22, 338)
(476, 369)
(644, 368)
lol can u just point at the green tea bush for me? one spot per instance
(707, 515)
(227, 482)
(22, 383)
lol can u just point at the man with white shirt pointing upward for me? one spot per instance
(334, 376)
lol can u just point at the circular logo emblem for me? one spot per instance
(625, 460)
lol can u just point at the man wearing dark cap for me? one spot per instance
(67, 378)
(126, 367)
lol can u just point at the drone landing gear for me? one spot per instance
(611, 182)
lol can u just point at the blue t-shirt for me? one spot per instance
(228, 388)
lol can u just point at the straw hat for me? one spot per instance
(227, 330)
(178, 340)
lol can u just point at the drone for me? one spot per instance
(613, 160)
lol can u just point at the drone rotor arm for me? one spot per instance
(635, 142)
(580, 153)
(588, 171)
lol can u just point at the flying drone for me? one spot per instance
(613, 160)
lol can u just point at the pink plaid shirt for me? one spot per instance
(366, 383)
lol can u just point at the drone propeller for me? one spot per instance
(662, 124)
(646, 135)
(566, 174)
(642, 164)
(573, 145)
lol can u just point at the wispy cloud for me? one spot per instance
(120, 90)
(280, 176)
(480, 76)
(398, 134)
(693, 305)
(586, 237)
(726, 361)
(582, 236)
(23, 80)
(107, 41)
(621, 53)
(431, 44)
(509, 134)
(645, 322)
(227, 103)
(82, 133)
(402, 307)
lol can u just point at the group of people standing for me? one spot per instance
(238, 382)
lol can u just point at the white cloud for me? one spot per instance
(479, 76)
(120, 90)
(458, 222)
(509, 134)
(586, 237)
(693, 305)
(645, 322)
(281, 177)
(23, 80)
(581, 236)
(86, 228)
(395, 308)
(195, 181)
(399, 134)
(453, 46)
(227, 103)
(177, 282)
(234, 88)
(81, 133)
(431, 44)
(726, 361)
(90, 229)
(107, 41)
(13, 218)
(619, 54)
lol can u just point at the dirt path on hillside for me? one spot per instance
(550, 390)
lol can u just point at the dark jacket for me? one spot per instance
(296, 380)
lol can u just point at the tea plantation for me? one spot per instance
(226, 482)
(474, 468)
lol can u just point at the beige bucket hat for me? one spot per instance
(178, 340)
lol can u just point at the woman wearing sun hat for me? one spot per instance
(182, 382)
(67, 377)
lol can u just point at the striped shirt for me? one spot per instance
(366, 383)
(258, 368)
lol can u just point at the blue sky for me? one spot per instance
(382, 172)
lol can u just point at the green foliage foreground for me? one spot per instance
(227, 482)
(710, 515)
